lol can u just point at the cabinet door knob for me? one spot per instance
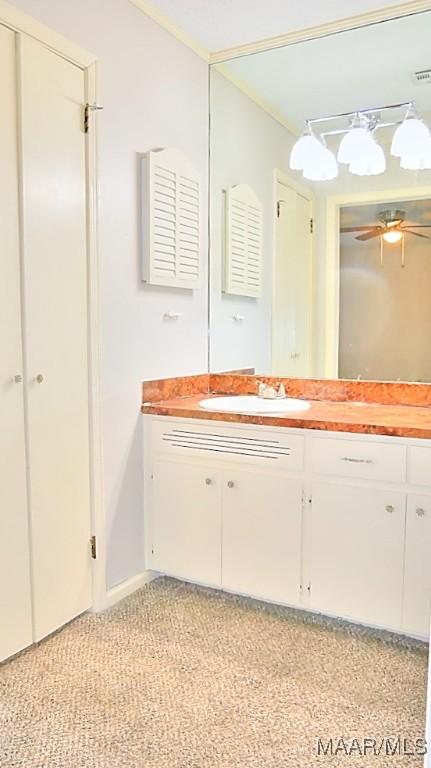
(18, 378)
(420, 512)
(39, 378)
(208, 481)
(389, 508)
(231, 484)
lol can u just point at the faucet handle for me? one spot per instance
(281, 390)
(261, 387)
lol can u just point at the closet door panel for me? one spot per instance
(55, 259)
(15, 599)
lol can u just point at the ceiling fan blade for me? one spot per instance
(370, 234)
(357, 229)
(416, 234)
(417, 226)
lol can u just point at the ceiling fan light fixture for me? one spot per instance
(392, 236)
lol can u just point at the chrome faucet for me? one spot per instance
(268, 392)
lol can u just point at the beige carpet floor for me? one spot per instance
(182, 677)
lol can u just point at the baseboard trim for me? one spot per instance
(127, 587)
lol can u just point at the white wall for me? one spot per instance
(385, 311)
(154, 92)
(247, 146)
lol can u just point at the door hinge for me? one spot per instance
(87, 109)
(93, 547)
(311, 226)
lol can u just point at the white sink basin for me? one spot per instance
(253, 404)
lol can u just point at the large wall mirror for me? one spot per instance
(320, 169)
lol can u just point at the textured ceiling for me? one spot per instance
(367, 67)
(219, 24)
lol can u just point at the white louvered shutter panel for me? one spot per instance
(243, 255)
(172, 220)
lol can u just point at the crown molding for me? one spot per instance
(275, 113)
(310, 33)
(301, 35)
(164, 21)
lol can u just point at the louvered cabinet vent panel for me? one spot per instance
(243, 256)
(194, 440)
(171, 199)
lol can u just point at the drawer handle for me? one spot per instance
(351, 460)
(231, 484)
(420, 512)
(208, 481)
(389, 508)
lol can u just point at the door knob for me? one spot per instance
(389, 508)
(420, 512)
(18, 378)
(39, 378)
(231, 484)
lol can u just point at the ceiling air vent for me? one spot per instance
(423, 76)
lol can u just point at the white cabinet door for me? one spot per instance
(417, 577)
(261, 535)
(186, 522)
(52, 94)
(357, 548)
(15, 605)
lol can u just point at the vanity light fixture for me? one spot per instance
(412, 142)
(305, 149)
(323, 166)
(311, 156)
(358, 148)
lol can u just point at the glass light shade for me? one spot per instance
(355, 141)
(417, 160)
(393, 236)
(369, 161)
(322, 167)
(410, 138)
(303, 152)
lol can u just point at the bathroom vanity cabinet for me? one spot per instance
(329, 522)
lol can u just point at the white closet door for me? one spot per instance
(55, 265)
(15, 601)
(292, 299)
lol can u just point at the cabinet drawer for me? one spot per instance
(220, 443)
(363, 460)
(419, 464)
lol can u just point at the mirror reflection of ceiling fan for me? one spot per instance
(391, 228)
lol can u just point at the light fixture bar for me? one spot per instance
(370, 110)
(339, 131)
